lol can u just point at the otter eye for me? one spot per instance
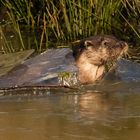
(105, 42)
(88, 43)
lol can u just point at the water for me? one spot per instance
(112, 115)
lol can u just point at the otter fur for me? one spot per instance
(93, 54)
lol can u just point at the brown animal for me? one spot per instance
(94, 54)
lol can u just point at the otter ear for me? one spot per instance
(88, 43)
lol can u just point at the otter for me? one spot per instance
(96, 55)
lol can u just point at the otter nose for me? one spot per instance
(123, 46)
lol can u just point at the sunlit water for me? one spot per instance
(108, 115)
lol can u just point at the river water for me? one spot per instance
(112, 114)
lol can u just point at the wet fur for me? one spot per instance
(93, 53)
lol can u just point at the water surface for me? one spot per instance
(109, 115)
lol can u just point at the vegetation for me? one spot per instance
(68, 20)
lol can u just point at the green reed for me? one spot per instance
(131, 19)
(5, 46)
(68, 20)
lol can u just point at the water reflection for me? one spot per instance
(87, 116)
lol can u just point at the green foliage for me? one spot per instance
(68, 20)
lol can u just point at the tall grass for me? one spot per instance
(68, 20)
(130, 17)
(5, 46)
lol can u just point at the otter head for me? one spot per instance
(94, 54)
